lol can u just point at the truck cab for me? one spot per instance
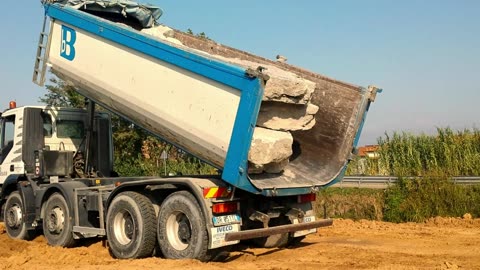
(26, 132)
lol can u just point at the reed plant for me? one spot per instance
(452, 153)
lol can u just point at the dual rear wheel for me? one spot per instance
(133, 228)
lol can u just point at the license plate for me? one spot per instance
(304, 232)
(218, 235)
(229, 219)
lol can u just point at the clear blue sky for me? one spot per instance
(424, 54)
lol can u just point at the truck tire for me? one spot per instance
(14, 222)
(181, 230)
(57, 222)
(131, 226)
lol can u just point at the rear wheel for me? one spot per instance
(181, 230)
(14, 220)
(131, 226)
(57, 222)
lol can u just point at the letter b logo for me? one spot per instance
(67, 49)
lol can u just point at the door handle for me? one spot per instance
(12, 168)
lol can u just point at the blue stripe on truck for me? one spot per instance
(236, 171)
(251, 88)
(230, 75)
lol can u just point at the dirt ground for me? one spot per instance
(441, 243)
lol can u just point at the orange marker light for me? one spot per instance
(12, 105)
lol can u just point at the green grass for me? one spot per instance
(410, 200)
(352, 203)
(421, 198)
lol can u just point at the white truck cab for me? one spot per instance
(24, 130)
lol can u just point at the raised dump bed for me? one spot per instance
(205, 97)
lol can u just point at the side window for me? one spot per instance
(8, 128)
(70, 129)
(47, 126)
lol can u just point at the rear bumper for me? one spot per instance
(256, 233)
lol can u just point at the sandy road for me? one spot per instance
(442, 243)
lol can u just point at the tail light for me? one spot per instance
(223, 208)
(305, 198)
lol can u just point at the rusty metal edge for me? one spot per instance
(256, 233)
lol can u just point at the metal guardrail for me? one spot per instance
(382, 182)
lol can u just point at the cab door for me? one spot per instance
(7, 142)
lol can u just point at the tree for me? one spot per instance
(62, 94)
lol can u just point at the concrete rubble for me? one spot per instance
(287, 117)
(270, 150)
(283, 86)
(286, 107)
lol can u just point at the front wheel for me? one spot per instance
(14, 218)
(57, 222)
(131, 226)
(181, 229)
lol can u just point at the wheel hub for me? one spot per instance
(184, 232)
(179, 231)
(123, 227)
(56, 220)
(14, 216)
(129, 227)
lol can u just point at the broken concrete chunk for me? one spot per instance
(283, 86)
(254, 168)
(273, 167)
(288, 90)
(276, 167)
(270, 146)
(312, 109)
(287, 117)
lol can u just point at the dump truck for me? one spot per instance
(57, 175)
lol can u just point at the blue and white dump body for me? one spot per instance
(205, 106)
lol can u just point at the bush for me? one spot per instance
(418, 199)
(410, 200)
(352, 203)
